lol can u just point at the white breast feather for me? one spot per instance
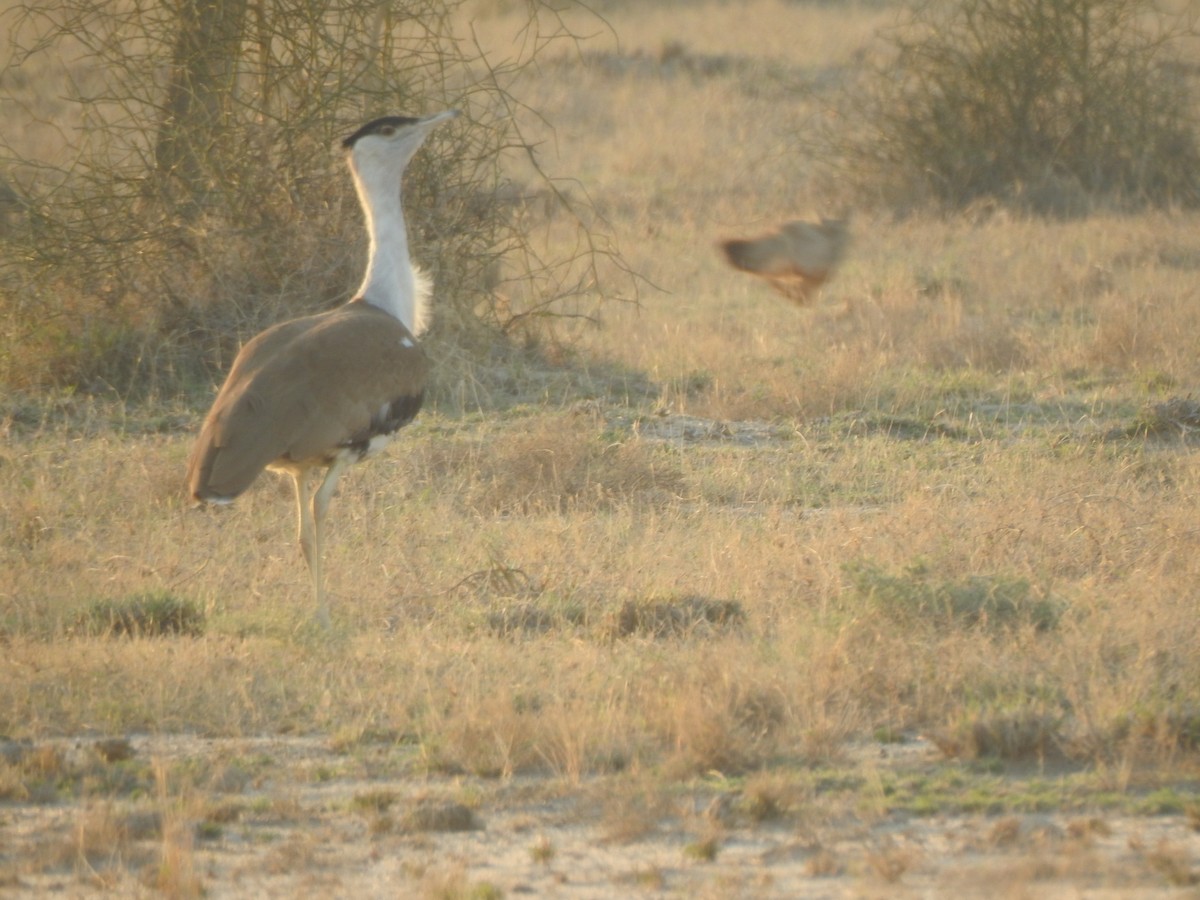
(422, 291)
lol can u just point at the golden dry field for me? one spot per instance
(708, 595)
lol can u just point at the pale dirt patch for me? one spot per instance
(304, 831)
(685, 429)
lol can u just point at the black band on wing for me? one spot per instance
(391, 419)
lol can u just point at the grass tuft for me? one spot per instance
(674, 617)
(889, 862)
(990, 603)
(542, 851)
(703, 850)
(1028, 732)
(143, 615)
(373, 801)
(1176, 417)
(763, 799)
(1173, 863)
(438, 816)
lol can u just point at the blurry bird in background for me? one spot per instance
(796, 259)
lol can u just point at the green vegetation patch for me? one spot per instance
(955, 789)
(989, 602)
(45, 773)
(373, 801)
(146, 615)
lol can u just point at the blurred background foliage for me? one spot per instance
(192, 193)
(197, 193)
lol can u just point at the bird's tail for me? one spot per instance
(751, 256)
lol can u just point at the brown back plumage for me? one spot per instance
(796, 259)
(305, 389)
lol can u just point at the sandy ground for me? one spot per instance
(292, 817)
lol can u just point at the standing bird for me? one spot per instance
(331, 389)
(796, 259)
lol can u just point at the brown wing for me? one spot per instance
(302, 390)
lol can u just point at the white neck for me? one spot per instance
(392, 283)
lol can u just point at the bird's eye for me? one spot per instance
(387, 130)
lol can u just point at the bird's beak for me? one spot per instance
(430, 121)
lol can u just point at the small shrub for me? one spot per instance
(703, 850)
(987, 602)
(1175, 727)
(633, 809)
(1177, 417)
(201, 201)
(1085, 829)
(761, 801)
(209, 831)
(432, 816)
(1192, 811)
(373, 802)
(114, 749)
(542, 851)
(1047, 104)
(823, 864)
(522, 619)
(141, 615)
(676, 617)
(1173, 863)
(45, 773)
(1013, 734)
(890, 862)
(1005, 832)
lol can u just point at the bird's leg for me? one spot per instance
(310, 542)
(320, 503)
(303, 520)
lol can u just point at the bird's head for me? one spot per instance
(388, 143)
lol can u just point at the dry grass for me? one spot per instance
(592, 584)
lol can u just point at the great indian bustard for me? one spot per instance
(330, 389)
(796, 259)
